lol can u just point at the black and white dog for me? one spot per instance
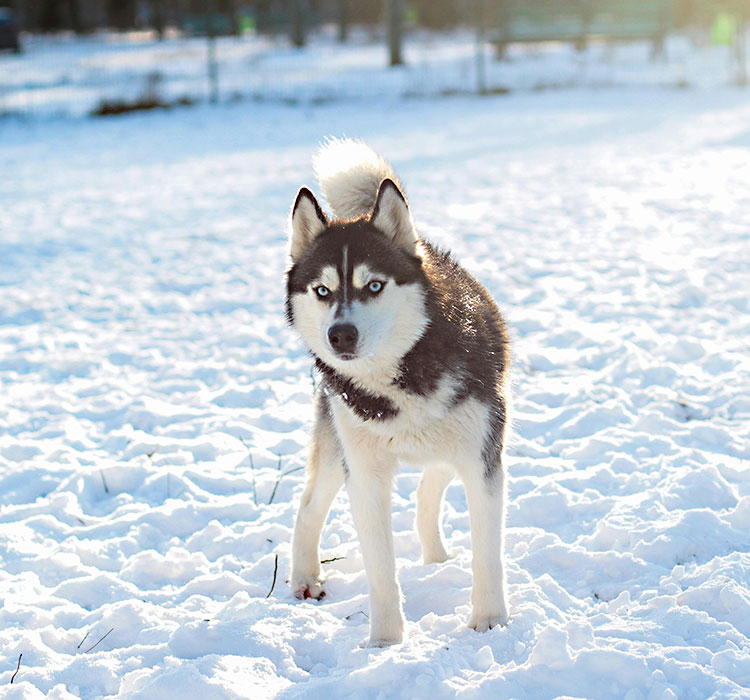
(413, 356)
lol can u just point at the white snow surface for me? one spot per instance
(154, 407)
(66, 75)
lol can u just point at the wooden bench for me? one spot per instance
(581, 21)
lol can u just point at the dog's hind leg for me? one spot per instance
(485, 495)
(429, 501)
(325, 476)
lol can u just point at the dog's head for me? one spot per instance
(356, 289)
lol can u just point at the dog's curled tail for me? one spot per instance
(350, 173)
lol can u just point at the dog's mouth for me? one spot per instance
(344, 354)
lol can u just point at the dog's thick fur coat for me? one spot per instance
(413, 358)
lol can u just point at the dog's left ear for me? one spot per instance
(392, 216)
(307, 222)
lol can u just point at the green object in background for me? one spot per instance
(247, 24)
(724, 29)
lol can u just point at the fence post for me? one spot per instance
(298, 23)
(395, 27)
(213, 66)
(157, 17)
(740, 47)
(343, 17)
(481, 16)
(501, 20)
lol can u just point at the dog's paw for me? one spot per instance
(481, 622)
(384, 641)
(386, 629)
(307, 587)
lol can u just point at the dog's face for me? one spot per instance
(356, 290)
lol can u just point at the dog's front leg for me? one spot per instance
(325, 477)
(369, 485)
(485, 496)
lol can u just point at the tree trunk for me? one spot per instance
(121, 14)
(74, 16)
(50, 19)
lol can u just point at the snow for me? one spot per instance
(155, 407)
(66, 75)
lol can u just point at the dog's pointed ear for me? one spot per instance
(307, 222)
(392, 216)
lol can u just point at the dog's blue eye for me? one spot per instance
(375, 286)
(322, 291)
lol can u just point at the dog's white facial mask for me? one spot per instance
(387, 324)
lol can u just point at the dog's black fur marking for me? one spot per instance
(366, 405)
(306, 193)
(466, 335)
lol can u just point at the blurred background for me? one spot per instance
(79, 57)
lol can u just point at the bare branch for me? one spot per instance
(252, 468)
(101, 640)
(359, 612)
(84, 639)
(13, 677)
(278, 481)
(275, 571)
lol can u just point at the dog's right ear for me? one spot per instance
(307, 222)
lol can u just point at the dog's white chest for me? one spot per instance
(427, 428)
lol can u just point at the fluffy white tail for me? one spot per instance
(349, 173)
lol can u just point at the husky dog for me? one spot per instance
(413, 357)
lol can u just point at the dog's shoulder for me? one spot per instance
(466, 337)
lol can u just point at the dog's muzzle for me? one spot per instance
(342, 337)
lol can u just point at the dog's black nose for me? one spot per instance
(343, 338)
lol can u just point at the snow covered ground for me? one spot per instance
(154, 407)
(63, 75)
